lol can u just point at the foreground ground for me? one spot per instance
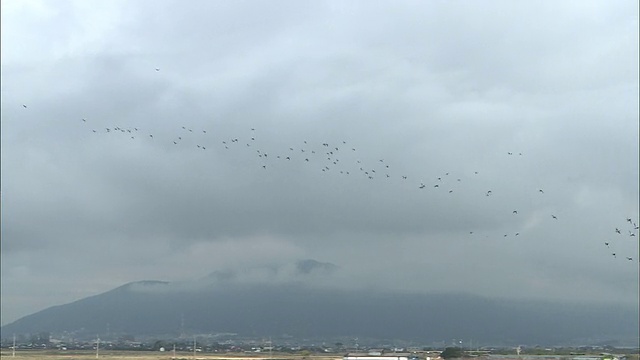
(148, 355)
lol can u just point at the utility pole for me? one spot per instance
(13, 349)
(97, 345)
(194, 346)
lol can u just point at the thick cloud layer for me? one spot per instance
(164, 140)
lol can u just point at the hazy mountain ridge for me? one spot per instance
(300, 270)
(157, 307)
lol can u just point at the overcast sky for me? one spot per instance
(333, 104)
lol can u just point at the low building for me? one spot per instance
(379, 355)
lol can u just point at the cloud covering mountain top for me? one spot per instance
(489, 149)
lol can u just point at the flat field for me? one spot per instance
(150, 355)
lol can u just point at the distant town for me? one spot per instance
(233, 346)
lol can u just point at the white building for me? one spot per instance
(378, 355)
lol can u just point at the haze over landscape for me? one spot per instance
(482, 149)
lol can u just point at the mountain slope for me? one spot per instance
(152, 308)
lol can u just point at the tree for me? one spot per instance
(158, 344)
(452, 352)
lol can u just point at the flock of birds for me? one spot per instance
(338, 157)
(631, 231)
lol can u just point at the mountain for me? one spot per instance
(219, 303)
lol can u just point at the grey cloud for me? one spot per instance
(433, 89)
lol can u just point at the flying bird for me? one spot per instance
(555, 217)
